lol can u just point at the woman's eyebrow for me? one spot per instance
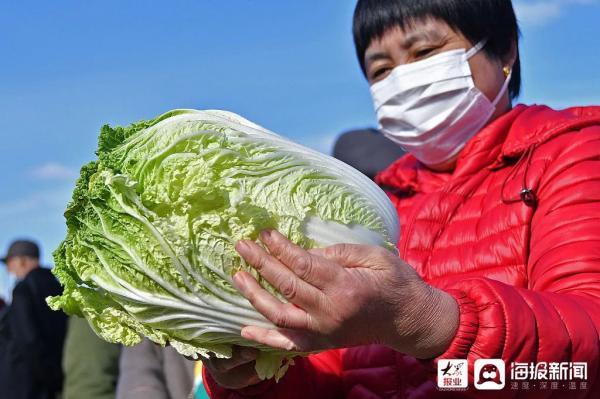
(413, 37)
(372, 57)
(409, 40)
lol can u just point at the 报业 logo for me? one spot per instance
(453, 374)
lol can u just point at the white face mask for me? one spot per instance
(432, 107)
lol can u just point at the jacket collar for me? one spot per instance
(505, 138)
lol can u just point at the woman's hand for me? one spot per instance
(343, 296)
(234, 373)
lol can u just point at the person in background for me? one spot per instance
(35, 333)
(366, 150)
(149, 371)
(90, 364)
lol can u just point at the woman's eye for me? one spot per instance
(379, 73)
(423, 52)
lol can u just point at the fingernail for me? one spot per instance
(266, 236)
(247, 334)
(238, 281)
(241, 246)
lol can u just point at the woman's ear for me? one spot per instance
(511, 57)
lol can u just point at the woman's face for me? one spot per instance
(425, 38)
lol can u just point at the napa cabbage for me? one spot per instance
(152, 225)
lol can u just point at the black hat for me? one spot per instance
(22, 248)
(367, 150)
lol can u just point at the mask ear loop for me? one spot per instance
(502, 90)
(476, 48)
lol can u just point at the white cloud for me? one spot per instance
(542, 12)
(45, 201)
(537, 14)
(30, 216)
(53, 171)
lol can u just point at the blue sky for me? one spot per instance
(70, 66)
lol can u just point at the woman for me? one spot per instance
(500, 209)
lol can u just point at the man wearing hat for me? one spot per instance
(35, 334)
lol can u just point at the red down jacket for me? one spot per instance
(524, 271)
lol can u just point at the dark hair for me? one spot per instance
(494, 20)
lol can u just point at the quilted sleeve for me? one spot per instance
(316, 376)
(557, 317)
